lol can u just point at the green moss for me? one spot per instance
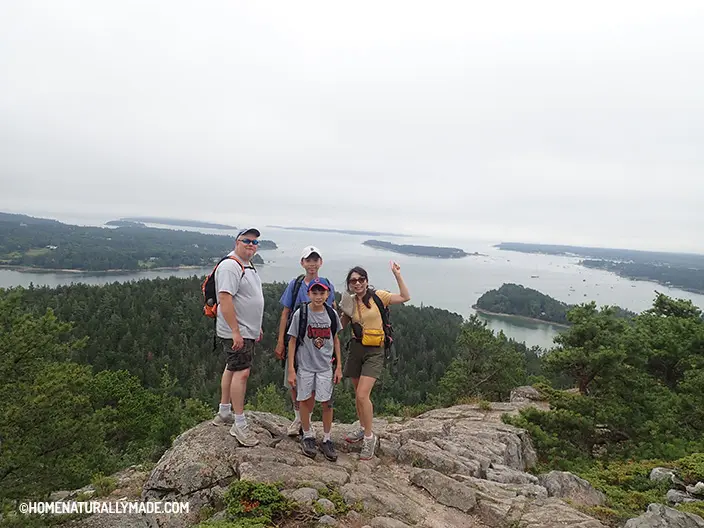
(103, 485)
(627, 487)
(697, 508)
(691, 468)
(334, 496)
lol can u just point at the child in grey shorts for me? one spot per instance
(310, 364)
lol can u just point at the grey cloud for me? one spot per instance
(543, 121)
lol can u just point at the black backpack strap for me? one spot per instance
(211, 281)
(302, 324)
(296, 288)
(294, 296)
(333, 330)
(388, 330)
(302, 329)
(383, 310)
(333, 320)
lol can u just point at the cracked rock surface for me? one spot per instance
(454, 467)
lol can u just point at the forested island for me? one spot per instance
(176, 222)
(38, 243)
(132, 366)
(677, 270)
(514, 299)
(421, 251)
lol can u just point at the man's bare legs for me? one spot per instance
(238, 388)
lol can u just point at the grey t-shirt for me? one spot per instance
(315, 353)
(247, 295)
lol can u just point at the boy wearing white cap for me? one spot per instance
(295, 294)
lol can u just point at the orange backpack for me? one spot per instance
(210, 296)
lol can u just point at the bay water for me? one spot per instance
(452, 284)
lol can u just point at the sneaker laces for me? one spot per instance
(244, 428)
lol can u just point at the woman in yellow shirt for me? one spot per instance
(366, 358)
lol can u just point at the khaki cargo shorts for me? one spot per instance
(364, 361)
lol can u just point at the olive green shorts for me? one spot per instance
(364, 361)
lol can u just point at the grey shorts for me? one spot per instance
(309, 382)
(286, 384)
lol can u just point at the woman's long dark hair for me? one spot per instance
(360, 271)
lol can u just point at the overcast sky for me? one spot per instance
(556, 122)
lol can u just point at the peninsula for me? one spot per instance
(29, 243)
(341, 231)
(420, 251)
(676, 270)
(175, 222)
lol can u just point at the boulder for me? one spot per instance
(660, 473)
(445, 490)
(387, 522)
(304, 496)
(525, 394)
(659, 516)
(565, 485)
(325, 505)
(678, 497)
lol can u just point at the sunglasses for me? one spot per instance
(249, 241)
(360, 280)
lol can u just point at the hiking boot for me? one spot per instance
(328, 449)
(294, 428)
(308, 446)
(244, 435)
(228, 420)
(368, 447)
(355, 436)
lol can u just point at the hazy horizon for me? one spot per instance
(547, 122)
(98, 222)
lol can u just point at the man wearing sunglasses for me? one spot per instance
(238, 327)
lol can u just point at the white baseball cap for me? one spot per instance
(309, 250)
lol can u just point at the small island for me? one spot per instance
(420, 251)
(526, 303)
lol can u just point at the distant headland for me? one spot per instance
(420, 251)
(171, 222)
(675, 270)
(341, 231)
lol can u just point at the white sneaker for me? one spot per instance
(219, 420)
(294, 428)
(244, 435)
(368, 447)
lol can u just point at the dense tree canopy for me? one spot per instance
(93, 378)
(514, 299)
